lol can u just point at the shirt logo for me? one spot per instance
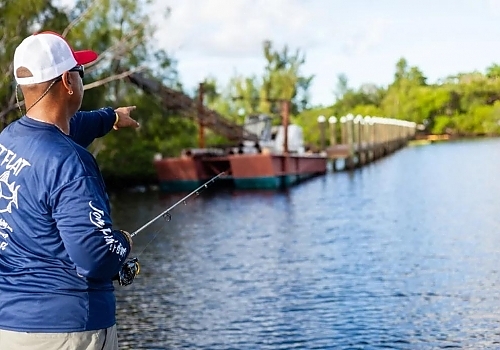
(12, 165)
(96, 218)
(8, 193)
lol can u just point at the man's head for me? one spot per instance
(44, 62)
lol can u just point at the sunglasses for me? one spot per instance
(77, 68)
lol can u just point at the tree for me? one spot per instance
(342, 86)
(401, 70)
(283, 80)
(493, 71)
(120, 31)
(19, 19)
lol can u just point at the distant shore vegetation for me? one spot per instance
(463, 105)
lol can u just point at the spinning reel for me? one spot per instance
(129, 270)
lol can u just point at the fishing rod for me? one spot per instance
(131, 268)
(166, 214)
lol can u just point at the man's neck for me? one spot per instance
(53, 117)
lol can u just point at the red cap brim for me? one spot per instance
(85, 56)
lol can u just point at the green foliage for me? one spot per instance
(365, 110)
(18, 19)
(367, 98)
(308, 120)
(281, 80)
(442, 124)
(120, 31)
(467, 104)
(463, 104)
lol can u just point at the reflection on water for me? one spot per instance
(401, 254)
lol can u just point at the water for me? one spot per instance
(402, 254)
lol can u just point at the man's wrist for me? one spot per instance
(127, 236)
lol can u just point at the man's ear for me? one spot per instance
(67, 82)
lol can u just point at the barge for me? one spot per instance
(265, 164)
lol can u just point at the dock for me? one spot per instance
(265, 156)
(359, 140)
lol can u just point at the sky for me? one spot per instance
(362, 39)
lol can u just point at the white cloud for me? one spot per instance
(369, 36)
(236, 28)
(220, 37)
(64, 3)
(362, 38)
(493, 6)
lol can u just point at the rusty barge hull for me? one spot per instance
(244, 171)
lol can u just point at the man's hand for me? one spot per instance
(123, 118)
(128, 237)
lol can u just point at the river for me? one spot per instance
(401, 254)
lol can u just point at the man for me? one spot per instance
(58, 251)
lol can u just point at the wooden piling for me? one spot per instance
(364, 139)
(332, 121)
(349, 164)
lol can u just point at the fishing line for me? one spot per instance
(131, 268)
(167, 217)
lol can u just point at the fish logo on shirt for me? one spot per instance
(8, 193)
(5, 225)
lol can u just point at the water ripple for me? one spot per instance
(402, 254)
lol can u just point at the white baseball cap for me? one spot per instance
(47, 55)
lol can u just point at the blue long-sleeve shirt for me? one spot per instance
(58, 251)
